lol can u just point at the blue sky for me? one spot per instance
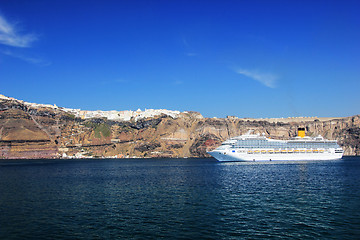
(241, 58)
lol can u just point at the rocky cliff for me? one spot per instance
(43, 131)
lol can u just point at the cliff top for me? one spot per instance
(127, 115)
(294, 119)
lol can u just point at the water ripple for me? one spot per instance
(179, 199)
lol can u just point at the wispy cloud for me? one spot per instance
(184, 41)
(268, 79)
(191, 54)
(32, 60)
(188, 49)
(10, 36)
(177, 82)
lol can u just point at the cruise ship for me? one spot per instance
(251, 147)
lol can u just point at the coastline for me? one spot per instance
(47, 131)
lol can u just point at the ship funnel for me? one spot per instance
(301, 132)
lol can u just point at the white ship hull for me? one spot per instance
(223, 156)
(250, 147)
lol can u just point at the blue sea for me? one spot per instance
(179, 199)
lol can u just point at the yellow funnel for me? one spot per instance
(301, 132)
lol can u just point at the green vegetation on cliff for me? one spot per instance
(102, 129)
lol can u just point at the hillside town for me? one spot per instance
(121, 115)
(113, 115)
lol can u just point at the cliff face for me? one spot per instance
(21, 136)
(46, 132)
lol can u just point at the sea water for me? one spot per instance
(179, 199)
